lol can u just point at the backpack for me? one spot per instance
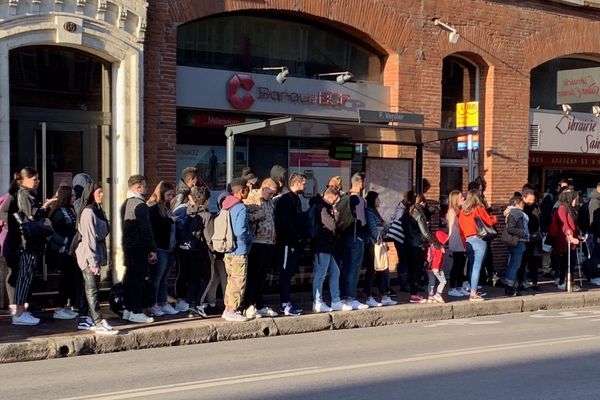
(583, 217)
(346, 219)
(312, 226)
(222, 238)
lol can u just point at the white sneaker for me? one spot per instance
(126, 314)
(233, 316)
(156, 310)
(455, 293)
(140, 318)
(25, 319)
(252, 313)
(103, 328)
(340, 306)
(595, 281)
(321, 307)
(562, 287)
(357, 305)
(63, 313)
(182, 306)
(386, 301)
(371, 302)
(267, 312)
(168, 309)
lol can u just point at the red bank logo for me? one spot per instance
(236, 82)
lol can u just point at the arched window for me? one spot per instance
(544, 83)
(248, 43)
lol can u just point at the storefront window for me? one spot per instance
(544, 83)
(248, 43)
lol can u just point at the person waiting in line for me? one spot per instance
(139, 248)
(261, 217)
(564, 234)
(435, 273)
(92, 255)
(64, 223)
(236, 261)
(418, 236)
(27, 208)
(162, 220)
(323, 246)
(458, 285)
(9, 244)
(194, 254)
(532, 258)
(375, 230)
(517, 224)
(594, 219)
(475, 246)
(290, 230)
(189, 179)
(336, 183)
(400, 215)
(278, 175)
(352, 224)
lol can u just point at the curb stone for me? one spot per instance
(214, 330)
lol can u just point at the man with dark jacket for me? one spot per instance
(189, 179)
(290, 230)
(139, 247)
(323, 245)
(594, 210)
(532, 258)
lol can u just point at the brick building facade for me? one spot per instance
(504, 39)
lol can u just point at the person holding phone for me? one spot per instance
(139, 247)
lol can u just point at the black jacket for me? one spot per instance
(290, 223)
(25, 202)
(326, 238)
(191, 226)
(534, 226)
(183, 191)
(161, 228)
(418, 231)
(137, 230)
(64, 222)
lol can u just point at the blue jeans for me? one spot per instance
(160, 275)
(352, 255)
(324, 263)
(476, 249)
(514, 262)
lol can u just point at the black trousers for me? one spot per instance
(136, 270)
(457, 273)
(70, 280)
(370, 273)
(260, 260)
(531, 262)
(564, 264)
(197, 267)
(415, 263)
(290, 258)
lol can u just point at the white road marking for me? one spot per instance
(271, 375)
(460, 322)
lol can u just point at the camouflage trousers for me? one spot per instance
(237, 271)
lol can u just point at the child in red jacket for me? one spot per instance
(435, 259)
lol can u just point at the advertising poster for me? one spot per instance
(390, 178)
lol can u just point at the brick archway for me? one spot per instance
(160, 59)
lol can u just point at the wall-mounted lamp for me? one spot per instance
(567, 109)
(281, 76)
(341, 77)
(454, 35)
(596, 111)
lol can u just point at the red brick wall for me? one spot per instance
(505, 38)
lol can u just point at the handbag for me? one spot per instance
(380, 262)
(547, 243)
(396, 231)
(510, 240)
(484, 231)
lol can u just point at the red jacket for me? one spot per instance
(562, 225)
(466, 222)
(435, 257)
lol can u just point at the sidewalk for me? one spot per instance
(56, 338)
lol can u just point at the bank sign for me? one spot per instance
(260, 93)
(575, 133)
(578, 86)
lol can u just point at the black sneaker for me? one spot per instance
(521, 288)
(535, 288)
(510, 291)
(197, 311)
(86, 324)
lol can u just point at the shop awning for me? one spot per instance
(317, 129)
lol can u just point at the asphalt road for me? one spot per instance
(542, 355)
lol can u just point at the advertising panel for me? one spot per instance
(578, 86)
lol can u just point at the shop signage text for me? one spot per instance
(386, 116)
(564, 161)
(575, 133)
(578, 86)
(203, 88)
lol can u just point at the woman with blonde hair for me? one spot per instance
(475, 246)
(456, 246)
(162, 220)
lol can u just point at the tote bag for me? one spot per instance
(381, 259)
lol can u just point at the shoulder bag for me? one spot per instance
(484, 231)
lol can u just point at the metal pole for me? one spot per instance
(470, 157)
(230, 154)
(569, 284)
(44, 190)
(419, 169)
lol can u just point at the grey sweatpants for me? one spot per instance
(433, 276)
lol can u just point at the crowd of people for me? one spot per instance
(261, 226)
